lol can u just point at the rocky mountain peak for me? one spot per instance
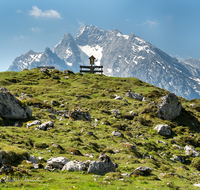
(121, 56)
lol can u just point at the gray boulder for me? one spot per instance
(116, 133)
(134, 95)
(179, 158)
(45, 126)
(105, 165)
(56, 162)
(36, 122)
(189, 150)
(2, 158)
(142, 171)
(163, 129)
(79, 114)
(74, 166)
(6, 168)
(11, 107)
(169, 108)
(33, 159)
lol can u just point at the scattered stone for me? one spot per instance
(6, 168)
(129, 145)
(79, 114)
(163, 129)
(89, 155)
(38, 166)
(105, 165)
(197, 184)
(55, 103)
(177, 146)
(56, 77)
(44, 70)
(16, 124)
(169, 108)
(190, 151)
(90, 133)
(45, 126)
(146, 156)
(33, 159)
(11, 107)
(178, 158)
(159, 141)
(116, 133)
(134, 95)
(142, 171)
(74, 166)
(52, 116)
(56, 162)
(144, 99)
(118, 97)
(35, 122)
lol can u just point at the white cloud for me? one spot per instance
(81, 23)
(36, 29)
(21, 38)
(151, 23)
(37, 13)
(19, 11)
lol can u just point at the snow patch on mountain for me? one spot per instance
(96, 51)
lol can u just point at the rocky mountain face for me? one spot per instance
(33, 59)
(121, 55)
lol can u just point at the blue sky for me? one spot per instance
(171, 25)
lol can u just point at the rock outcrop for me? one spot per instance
(11, 107)
(45, 126)
(163, 129)
(56, 162)
(142, 171)
(169, 108)
(75, 165)
(105, 165)
(190, 151)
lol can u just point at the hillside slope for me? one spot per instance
(52, 95)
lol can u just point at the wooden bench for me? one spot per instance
(91, 69)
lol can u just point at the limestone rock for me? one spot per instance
(74, 166)
(36, 122)
(105, 165)
(45, 126)
(118, 97)
(142, 171)
(11, 108)
(6, 168)
(177, 146)
(79, 114)
(33, 159)
(134, 95)
(179, 158)
(189, 150)
(169, 108)
(116, 133)
(56, 162)
(163, 129)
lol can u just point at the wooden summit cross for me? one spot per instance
(91, 68)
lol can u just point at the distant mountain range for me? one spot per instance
(121, 55)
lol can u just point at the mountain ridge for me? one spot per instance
(122, 56)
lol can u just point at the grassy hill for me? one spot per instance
(95, 94)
